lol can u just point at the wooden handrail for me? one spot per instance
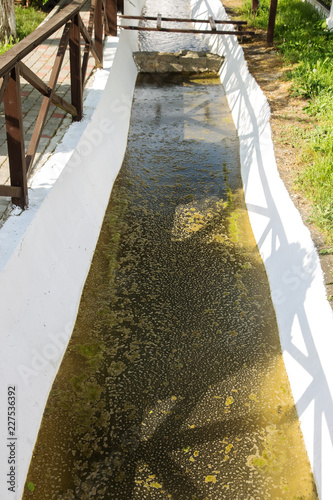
(41, 118)
(102, 21)
(183, 20)
(193, 31)
(5, 80)
(45, 90)
(22, 48)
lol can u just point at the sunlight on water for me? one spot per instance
(174, 386)
(170, 42)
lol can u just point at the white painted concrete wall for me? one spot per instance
(45, 252)
(324, 12)
(304, 316)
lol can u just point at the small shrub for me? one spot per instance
(27, 20)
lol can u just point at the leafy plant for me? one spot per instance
(27, 20)
(306, 45)
(326, 251)
(31, 486)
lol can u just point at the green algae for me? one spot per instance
(174, 384)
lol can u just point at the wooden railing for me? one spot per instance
(102, 21)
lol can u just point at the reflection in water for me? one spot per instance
(174, 385)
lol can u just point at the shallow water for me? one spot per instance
(170, 42)
(174, 384)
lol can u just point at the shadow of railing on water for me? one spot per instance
(293, 265)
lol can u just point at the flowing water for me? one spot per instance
(174, 384)
(169, 42)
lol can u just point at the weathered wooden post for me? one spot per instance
(12, 68)
(271, 22)
(254, 7)
(75, 65)
(120, 6)
(15, 140)
(98, 21)
(111, 8)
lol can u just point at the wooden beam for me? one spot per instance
(75, 65)
(40, 122)
(120, 6)
(22, 48)
(159, 21)
(87, 38)
(5, 80)
(98, 21)
(105, 19)
(33, 79)
(254, 7)
(194, 31)
(86, 51)
(111, 14)
(271, 22)
(15, 138)
(12, 191)
(44, 89)
(212, 23)
(11, 67)
(183, 20)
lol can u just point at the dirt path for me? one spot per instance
(287, 118)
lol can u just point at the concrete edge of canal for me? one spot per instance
(42, 293)
(296, 280)
(46, 252)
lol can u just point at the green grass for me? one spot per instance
(27, 20)
(306, 45)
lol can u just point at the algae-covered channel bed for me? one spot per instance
(173, 385)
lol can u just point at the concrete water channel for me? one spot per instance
(174, 385)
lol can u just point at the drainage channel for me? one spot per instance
(174, 385)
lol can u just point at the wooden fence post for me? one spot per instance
(111, 15)
(271, 22)
(254, 7)
(98, 21)
(75, 65)
(120, 6)
(15, 137)
(12, 68)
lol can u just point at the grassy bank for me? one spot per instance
(302, 38)
(27, 20)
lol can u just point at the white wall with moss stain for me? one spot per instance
(46, 251)
(303, 313)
